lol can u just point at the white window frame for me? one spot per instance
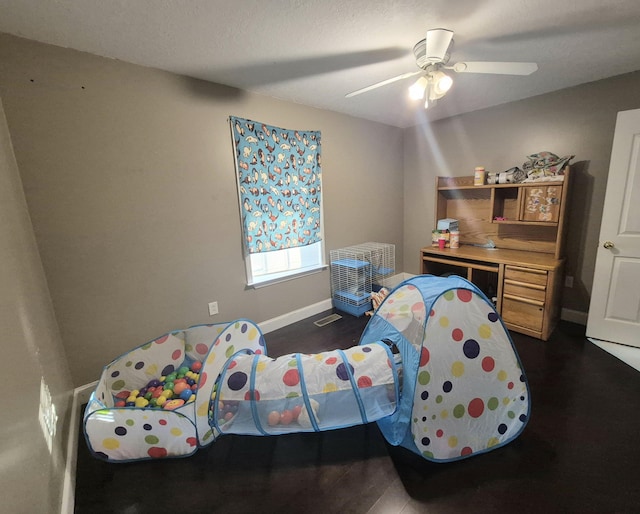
(266, 268)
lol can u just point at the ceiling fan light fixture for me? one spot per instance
(441, 83)
(416, 91)
(432, 56)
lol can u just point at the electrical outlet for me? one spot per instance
(568, 281)
(213, 308)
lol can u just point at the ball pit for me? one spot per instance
(158, 391)
(153, 401)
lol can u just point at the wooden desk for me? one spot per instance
(525, 285)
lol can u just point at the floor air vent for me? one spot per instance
(329, 319)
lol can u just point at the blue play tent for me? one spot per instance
(464, 391)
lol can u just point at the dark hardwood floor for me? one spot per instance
(579, 453)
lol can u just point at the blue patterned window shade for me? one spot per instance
(279, 183)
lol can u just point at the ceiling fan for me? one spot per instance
(432, 56)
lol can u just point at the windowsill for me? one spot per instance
(292, 276)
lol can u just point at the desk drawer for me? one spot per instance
(524, 289)
(522, 311)
(527, 275)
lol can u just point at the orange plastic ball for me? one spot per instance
(286, 417)
(274, 418)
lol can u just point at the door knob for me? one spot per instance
(608, 245)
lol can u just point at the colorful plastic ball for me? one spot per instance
(120, 403)
(167, 393)
(196, 366)
(173, 404)
(182, 370)
(178, 387)
(186, 394)
(123, 395)
(274, 418)
(141, 401)
(153, 383)
(296, 411)
(161, 400)
(130, 404)
(286, 417)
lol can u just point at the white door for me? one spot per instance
(614, 313)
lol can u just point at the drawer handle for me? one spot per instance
(530, 301)
(524, 284)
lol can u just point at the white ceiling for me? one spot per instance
(313, 52)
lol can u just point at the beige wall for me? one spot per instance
(128, 174)
(129, 177)
(578, 121)
(31, 472)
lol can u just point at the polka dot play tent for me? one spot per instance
(435, 368)
(120, 430)
(464, 391)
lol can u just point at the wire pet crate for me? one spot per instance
(382, 257)
(358, 270)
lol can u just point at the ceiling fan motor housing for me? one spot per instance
(420, 53)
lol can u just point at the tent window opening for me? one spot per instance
(279, 182)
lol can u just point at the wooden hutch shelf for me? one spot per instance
(524, 272)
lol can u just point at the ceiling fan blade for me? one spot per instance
(502, 68)
(251, 75)
(438, 41)
(383, 83)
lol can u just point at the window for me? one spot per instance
(279, 176)
(270, 267)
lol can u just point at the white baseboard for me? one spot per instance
(292, 317)
(80, 396)
(574, 316)
(311, 310)
(394, 280)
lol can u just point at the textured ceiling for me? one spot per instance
(313, 52)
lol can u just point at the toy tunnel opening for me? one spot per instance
(258, 395)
